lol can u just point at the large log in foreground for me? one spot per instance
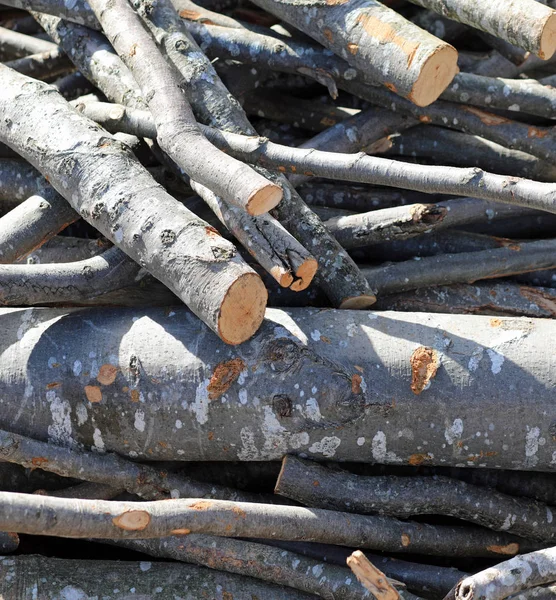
(362, 386)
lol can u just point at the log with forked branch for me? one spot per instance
(318, 382)
(177, 130)
(359, 168)
(108, 187)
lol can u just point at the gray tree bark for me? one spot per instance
(527, 24)
(378, 41)
(111, 519)
(510, 577)
(30, 577)
(109, 188)
(403, 497)
(199, 399)
(177, 130)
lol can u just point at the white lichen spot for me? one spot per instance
(327, 446)
(248, 450)
(360, 441)
(532, 446)
(312, 410)
(72, 593)
(98, 441)
(201, 405)
(454, 432)
(475, 358)
(179, 424)
(514, 107)
(145, 565)
(139, 422)
(77, 368)
(496, 360)
(315, 335)
(243, 396)
(317, 570)
(59, 432)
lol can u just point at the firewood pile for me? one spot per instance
(278, 287)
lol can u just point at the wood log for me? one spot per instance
(177, 131)
(359, 167)
(379, 41)
(446, 146)
(510, 577)
(109, 469)
(111, 519)
(28, 577)
(44, 65)
(57, 283)
(334, 412)
(467, 267)
(495, 299)
(16, 45)
(337, 274)
(256, 560)
(527, 24)
(9, 542)
(315, 485)
(428, 580)
(165, 237)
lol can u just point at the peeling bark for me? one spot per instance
(103, 519)
(348, 367)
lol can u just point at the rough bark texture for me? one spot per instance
(338, 275)
(44, 65)
(315, 485)
(63, 517)
(256, 560)
(177, 132)
(52, 283)
(509, 577)
(365, 131)
(460, 149)
(108, 187)
(378, 41)
(202, 400)
(467, 267)
(33, 222)
(30, 577)
(496, 299)
(8, 542)
(147, 482)
(539, 141)
(526, 23)
(429, 580)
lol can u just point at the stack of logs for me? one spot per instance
(366, 169)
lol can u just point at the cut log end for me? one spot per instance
(264, 199)
(358, 302)
(436, 75)
(547, 45)
(282, 276)
(242, 310)
(304, 275)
